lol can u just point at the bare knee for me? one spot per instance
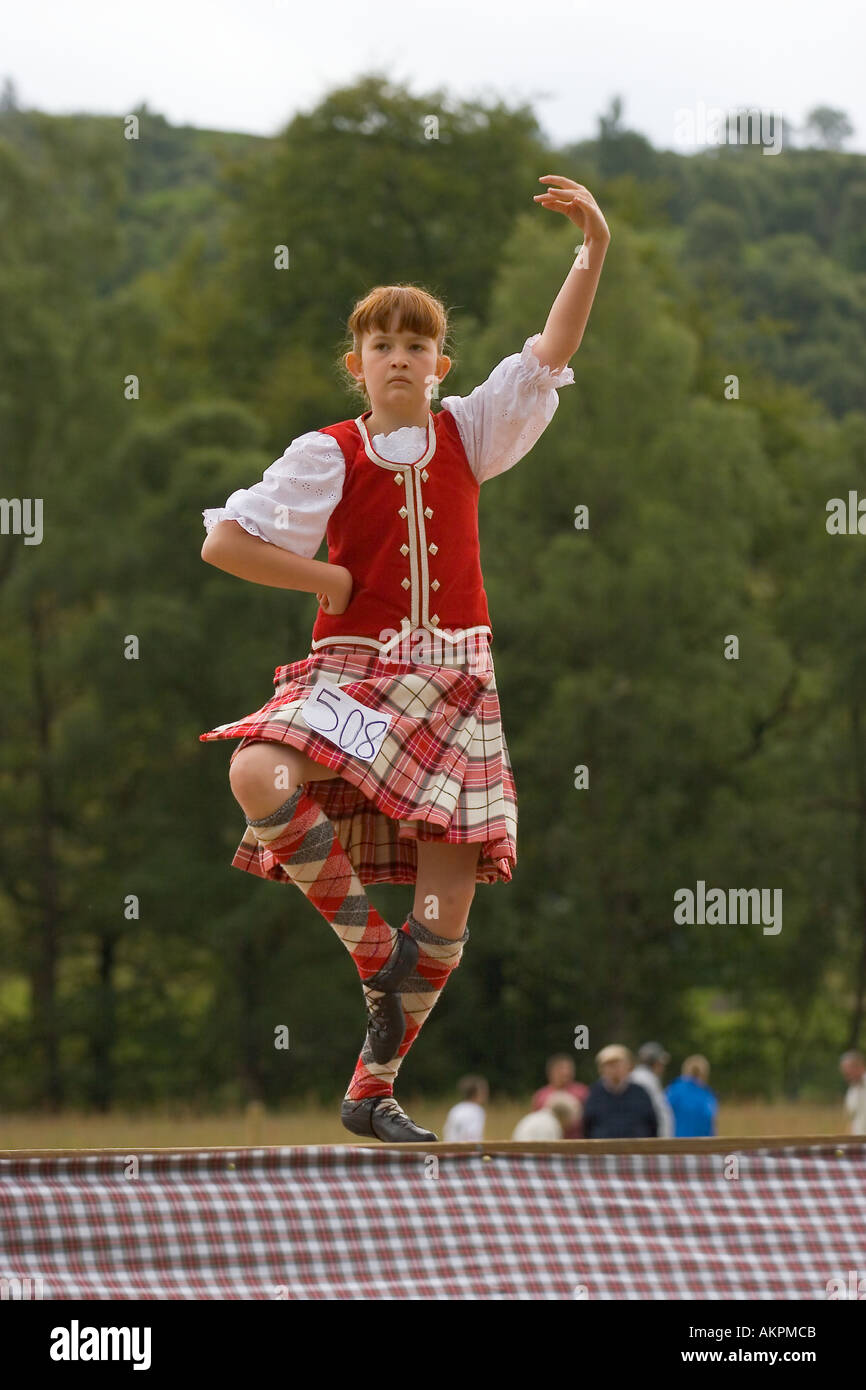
(264, 774)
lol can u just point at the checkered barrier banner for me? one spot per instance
(365, 1222)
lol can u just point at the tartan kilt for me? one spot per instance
(443, 771)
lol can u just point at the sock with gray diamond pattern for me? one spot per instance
(302, 840)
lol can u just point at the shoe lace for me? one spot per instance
(390, 1106)
(375, 1003)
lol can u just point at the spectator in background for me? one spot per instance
(616, 1107)
(692, 1101)
(560, 1112)
(560, 1077)
(651, 1062)
(853, 1067)
(466, 1119)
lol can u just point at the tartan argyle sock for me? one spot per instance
(301, 838)
(437, 957)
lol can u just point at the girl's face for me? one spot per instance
(398, 368)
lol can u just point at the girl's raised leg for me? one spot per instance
(263, 774)
(297, 839)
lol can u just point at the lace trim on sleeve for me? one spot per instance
(530, 372)
(212, 515)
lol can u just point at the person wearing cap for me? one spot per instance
(693, 1103)
(651, 1062)
(617, 1108)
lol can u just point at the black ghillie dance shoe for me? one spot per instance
(380, 1117)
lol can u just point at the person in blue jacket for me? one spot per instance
(693, 1103)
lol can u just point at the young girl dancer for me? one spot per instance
(380, 757)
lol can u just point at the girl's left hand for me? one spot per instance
(576, 203)
(336, 598)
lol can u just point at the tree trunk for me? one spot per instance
(860, 877)
(103, 1035)
(251, 1044)
(44, 970)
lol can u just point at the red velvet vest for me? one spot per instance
(408, 534)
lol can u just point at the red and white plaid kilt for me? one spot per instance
(443, 771)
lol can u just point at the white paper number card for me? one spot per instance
(353, 727)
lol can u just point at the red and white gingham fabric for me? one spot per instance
(356, 1222)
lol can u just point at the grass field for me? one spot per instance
(321, 1125)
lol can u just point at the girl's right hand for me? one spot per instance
(335, 599)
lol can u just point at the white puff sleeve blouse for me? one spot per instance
(291, 505)
(499, 422)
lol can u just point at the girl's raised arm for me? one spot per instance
(567, 320)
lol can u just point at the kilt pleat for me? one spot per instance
(443, 771)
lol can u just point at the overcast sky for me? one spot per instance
(249, 65)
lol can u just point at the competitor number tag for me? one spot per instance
(354, 728)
